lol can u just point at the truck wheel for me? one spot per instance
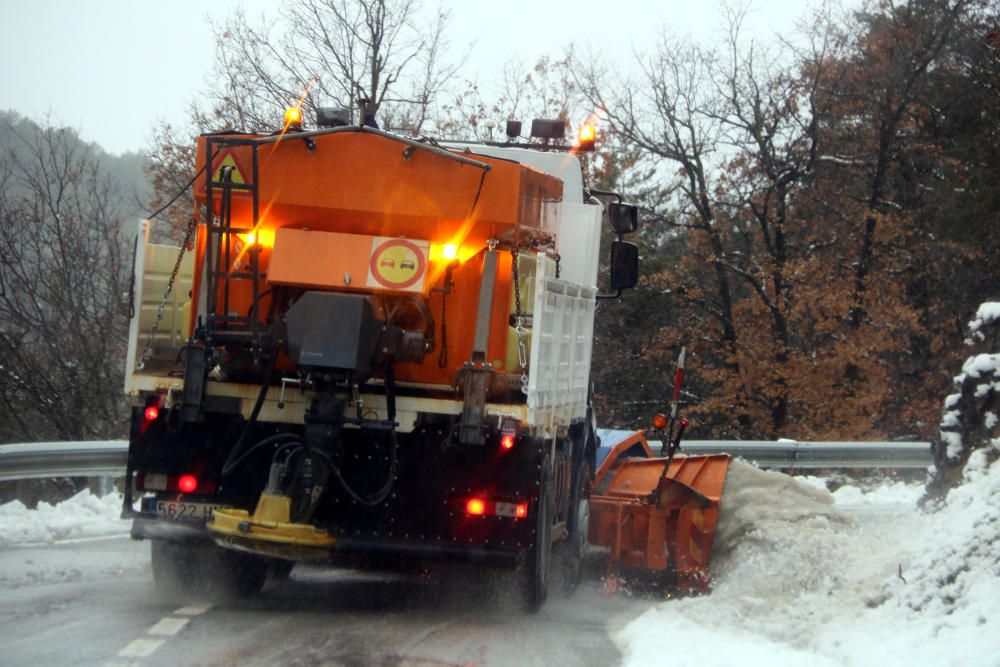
(196, 570)
(230, 574)
(534, 573)
(175, 569)
(571, 550)
(281, 569)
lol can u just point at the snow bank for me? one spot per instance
(945, 610)
(83, 515)
(851, 578)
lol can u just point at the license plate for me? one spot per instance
(175, 509)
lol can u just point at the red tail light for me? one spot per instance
(481, 507)
(508, 433)
(152, 413)
(187, 483)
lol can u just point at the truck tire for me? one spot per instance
(281, 569)
(195, 570)
(570, 552)
(175, 569)
(534, 572)
(229, 575)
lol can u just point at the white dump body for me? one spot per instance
(562, 331)
(154, 263)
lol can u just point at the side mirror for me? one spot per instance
(624, 217)
(624, 265)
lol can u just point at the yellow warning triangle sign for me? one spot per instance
(228, 161)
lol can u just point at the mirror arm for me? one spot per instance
(606, 297)
(606, 193)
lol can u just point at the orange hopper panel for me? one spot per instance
(374, 185)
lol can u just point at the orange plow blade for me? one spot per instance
(655, 514)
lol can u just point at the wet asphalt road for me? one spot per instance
(93, 603)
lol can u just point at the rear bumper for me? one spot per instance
(357, 551)
(483, 555)
(149, 526)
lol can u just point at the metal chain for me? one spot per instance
(519, 329)
(148, 348)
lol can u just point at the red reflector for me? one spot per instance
(507, 440)
(152, 412)
(522, 511)
(187, 483)
(475, 507)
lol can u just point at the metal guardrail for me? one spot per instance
(106, 458)
(791, 454)
(813, 455)
(36, 460)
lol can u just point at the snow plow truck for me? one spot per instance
(375, 350)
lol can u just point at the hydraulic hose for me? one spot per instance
(234, 453)
(379, 496)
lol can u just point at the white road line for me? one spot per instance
(140, 648)
(167, 627)
(192, 610)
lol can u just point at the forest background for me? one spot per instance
(820, 215)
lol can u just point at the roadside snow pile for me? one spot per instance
(808, 577)
(83, 515)
(947, 611)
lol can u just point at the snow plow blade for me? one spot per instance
(652, 519)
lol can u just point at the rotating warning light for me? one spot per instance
(293, 117)
(586, 138)
(187, 483)
(450, 251)
(261, 237)
(475, 507)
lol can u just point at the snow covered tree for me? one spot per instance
(971, 418)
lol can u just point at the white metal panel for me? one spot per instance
(153, 265)
(139, 250)
(580, 242)
(561, 346)
(565, 166)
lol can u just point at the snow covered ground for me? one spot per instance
(802, 576)
(805, 577)
(82, 516)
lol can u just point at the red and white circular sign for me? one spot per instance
(398, 264)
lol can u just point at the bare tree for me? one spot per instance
(368, 54)
(64, 286)
(742, 131)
